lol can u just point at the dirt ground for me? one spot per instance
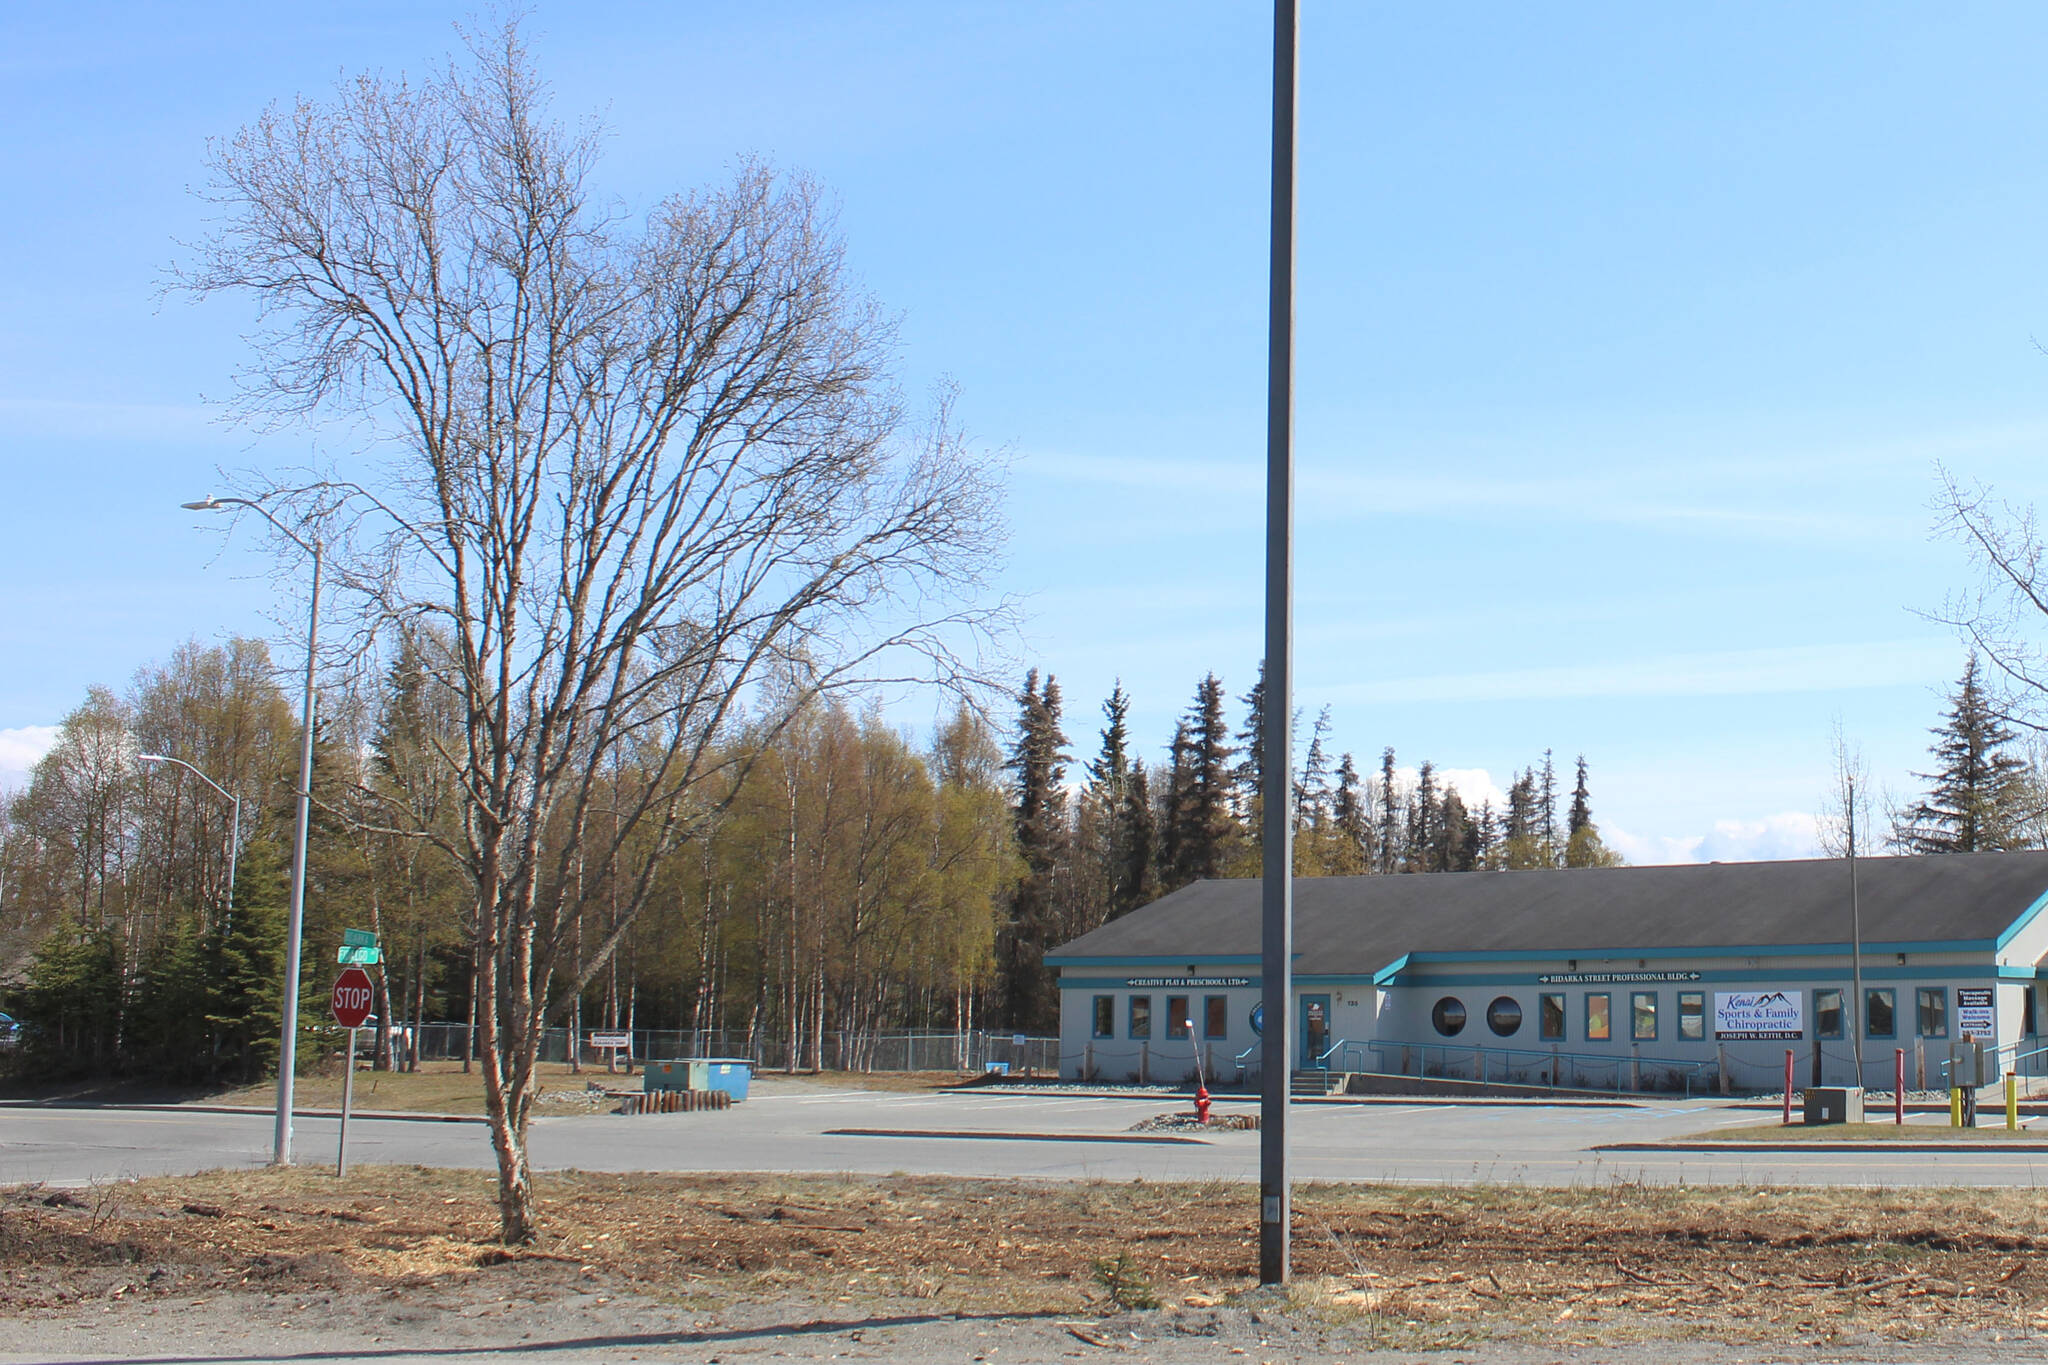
(402, 1254)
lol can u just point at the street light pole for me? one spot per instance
(234, 835)
(1276, 957)
(288, 1042)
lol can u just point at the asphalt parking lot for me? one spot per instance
(801, 1126)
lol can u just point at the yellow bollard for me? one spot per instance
(1955, 1107)
(2012, 1102)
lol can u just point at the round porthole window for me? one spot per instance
(1448, 1016)
(1504, 1016)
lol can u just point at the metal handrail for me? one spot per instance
(1239, 1058)
(1690, 1069)
(1996, 1052)
(1332, 1050)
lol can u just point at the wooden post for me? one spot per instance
(1721, 1066)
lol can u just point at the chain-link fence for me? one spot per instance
(975, 1050)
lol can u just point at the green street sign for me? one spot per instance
(358, 955)
(359, 938)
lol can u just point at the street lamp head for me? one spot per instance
(206, 504)
(151, 758)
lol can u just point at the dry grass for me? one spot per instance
(442, 1088)
(436, 1088)
(1415, 1266)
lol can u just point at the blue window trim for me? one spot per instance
(1131, 1019)
(1918, 992)
(1679, 1022)
(1188, 1001)
(1656, 1023)
(1893, 996)
(1564, 1017)
(1586, 1016)
(1207, 1000)
(1095, 1029)
(1841, 1029)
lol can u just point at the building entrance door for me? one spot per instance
(1315, 1030)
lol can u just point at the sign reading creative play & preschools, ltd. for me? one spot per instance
(1758, 1014)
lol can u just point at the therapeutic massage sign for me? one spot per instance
(1758, 1014)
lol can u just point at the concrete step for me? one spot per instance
(1313, 1082)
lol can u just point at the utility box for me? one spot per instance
(729, 1074)
(1834, 1103)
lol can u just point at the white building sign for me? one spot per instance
(1759, 1014)
(1976, 1016)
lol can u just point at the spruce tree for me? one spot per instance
(1206, 817)
(1105, 833)
(1582, 845)
(1312, 791)
(1389, 860)
(1349, 816)
(1251, 740)
(1980, 800)
(1582, 804)
(1167, 825)
(1457, 836)
(1037, 763)
(1549, 846)
(1424, 822)
(1138, 884)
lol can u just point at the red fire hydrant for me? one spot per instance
(1201, 1104)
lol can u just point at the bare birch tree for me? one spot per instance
(637, 483)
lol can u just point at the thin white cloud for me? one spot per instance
(1794, 668)
(20, 748)
(74, 419)
(1325, 491)
(1788, 834)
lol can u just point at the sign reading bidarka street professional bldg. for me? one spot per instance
(1740, 1015)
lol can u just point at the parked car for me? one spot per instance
(10, 1031)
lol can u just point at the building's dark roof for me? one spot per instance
(1358, 925)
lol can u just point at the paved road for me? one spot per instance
(799, 1127)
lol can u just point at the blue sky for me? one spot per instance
(1629, 339)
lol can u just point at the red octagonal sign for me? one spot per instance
(351, 998)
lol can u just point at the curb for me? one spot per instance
(1015, 1137)
(1782, 1148)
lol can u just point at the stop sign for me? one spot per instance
(351, 997)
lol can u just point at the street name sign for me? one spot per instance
(359, 938)
(356, 954)
(351, 997)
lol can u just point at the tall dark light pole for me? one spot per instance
(288, 1042)
(1276, 959)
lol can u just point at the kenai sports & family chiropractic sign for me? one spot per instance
(1758, 1014)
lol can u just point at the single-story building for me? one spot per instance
(1630, 978)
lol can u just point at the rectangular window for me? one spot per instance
(2027, 1025)
(1141, 1016)
(1642, 1016)
(1215, 1016)
(1877, 1015)
(1692, 1015)
(1931, 1011)
(1827, 1014)
(1550, 1012)
(1105, 1016)
(1177, 1025)
(1598, 1026)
